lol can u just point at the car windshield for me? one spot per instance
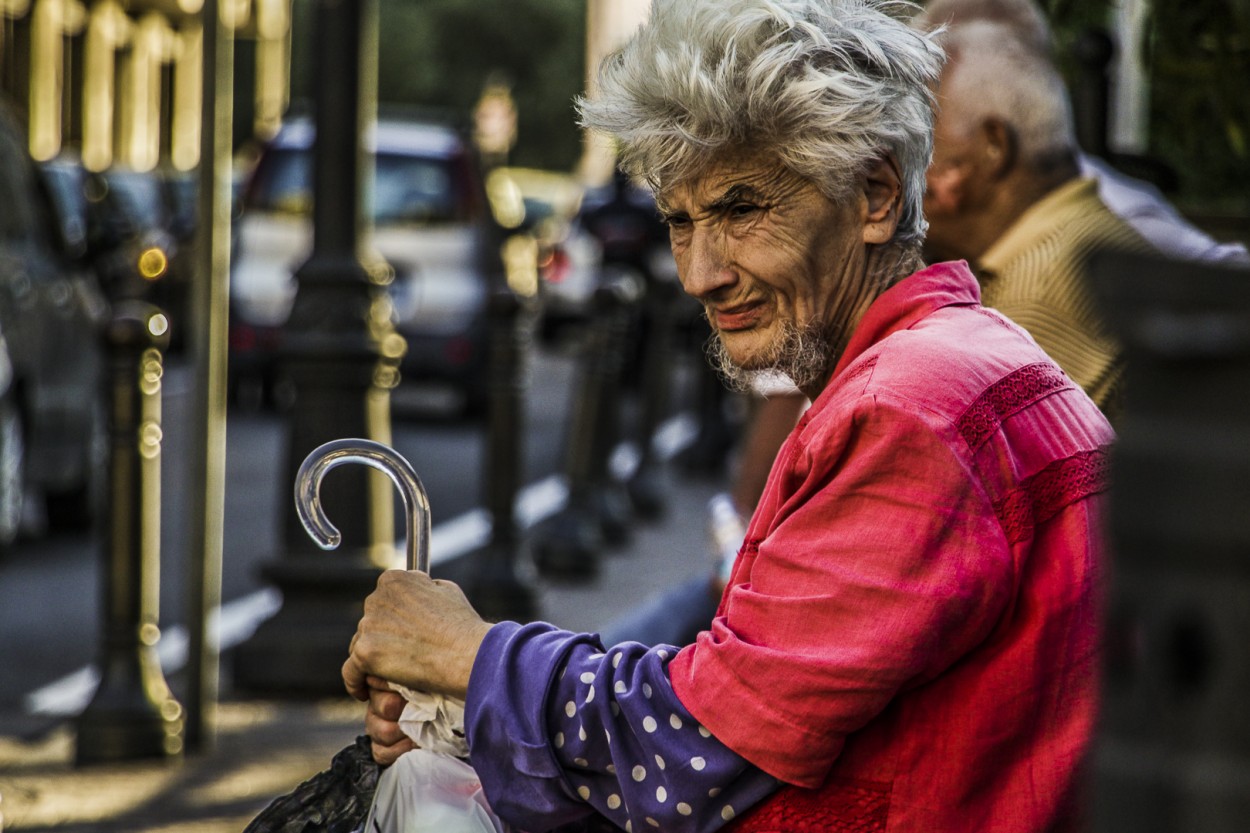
(406, 189)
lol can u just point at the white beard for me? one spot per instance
(801, 356)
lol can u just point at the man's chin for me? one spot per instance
(748, 360)
(746, 349)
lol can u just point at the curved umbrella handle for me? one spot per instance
(383, 458)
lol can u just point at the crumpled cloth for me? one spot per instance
(434, 722)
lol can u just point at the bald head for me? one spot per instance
(1003, 138)
(1023, 18)
(991, 74)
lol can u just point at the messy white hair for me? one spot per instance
(994, 74)
(829, 86)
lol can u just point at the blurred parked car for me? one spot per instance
(545, 205)
(130, 230)
(431, 221)
(53, 435)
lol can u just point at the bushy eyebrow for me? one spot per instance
(734, 195)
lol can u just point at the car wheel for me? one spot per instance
(12, 471)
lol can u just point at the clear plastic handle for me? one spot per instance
(383, 458)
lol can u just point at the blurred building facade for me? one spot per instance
(608, 24)
(120, 83)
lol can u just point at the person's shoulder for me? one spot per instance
(941, 366)
(1064, 241)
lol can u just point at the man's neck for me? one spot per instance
(885, 266)
(1013, 196)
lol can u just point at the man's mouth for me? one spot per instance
(736, 317)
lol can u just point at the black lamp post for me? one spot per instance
(342, 354)
(133, 714)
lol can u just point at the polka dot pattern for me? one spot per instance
(610, 714)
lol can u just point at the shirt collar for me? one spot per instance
(1037, 221)
(908, 301)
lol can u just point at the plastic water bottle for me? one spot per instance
(726, 530)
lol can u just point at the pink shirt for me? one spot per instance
(910, 633)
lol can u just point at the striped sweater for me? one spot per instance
(1035, 274)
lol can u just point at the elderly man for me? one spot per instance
(908, 641)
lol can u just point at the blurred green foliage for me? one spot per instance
(1197, 53)
(437, 55)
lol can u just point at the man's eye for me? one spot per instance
(675, 221)
(743, 209)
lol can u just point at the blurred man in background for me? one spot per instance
(1005, 193)
(1138, 203)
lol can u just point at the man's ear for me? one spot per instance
(999, 147)
(884, 191)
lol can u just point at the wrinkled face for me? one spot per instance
(771, 259)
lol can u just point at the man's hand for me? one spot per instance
(382, 723)
(418, 632)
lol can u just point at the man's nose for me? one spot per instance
(708, 268)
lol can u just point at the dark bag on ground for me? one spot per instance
(334, 801)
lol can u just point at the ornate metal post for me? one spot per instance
(620, 297)
(132, 715)
(1174, 736)
(646, 485)
(500, 586)
(568, 544)
(342, 354)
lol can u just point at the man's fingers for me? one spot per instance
(386, 704)
(383, 730)
(387, 755)
(354, 680)
(388, 740)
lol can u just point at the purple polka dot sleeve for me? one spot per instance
(564, 732)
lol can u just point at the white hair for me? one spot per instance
(993, 74)
(829, 86)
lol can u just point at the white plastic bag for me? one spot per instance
(428, 792)
(430, 789)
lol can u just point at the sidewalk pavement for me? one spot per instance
(264, 748)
